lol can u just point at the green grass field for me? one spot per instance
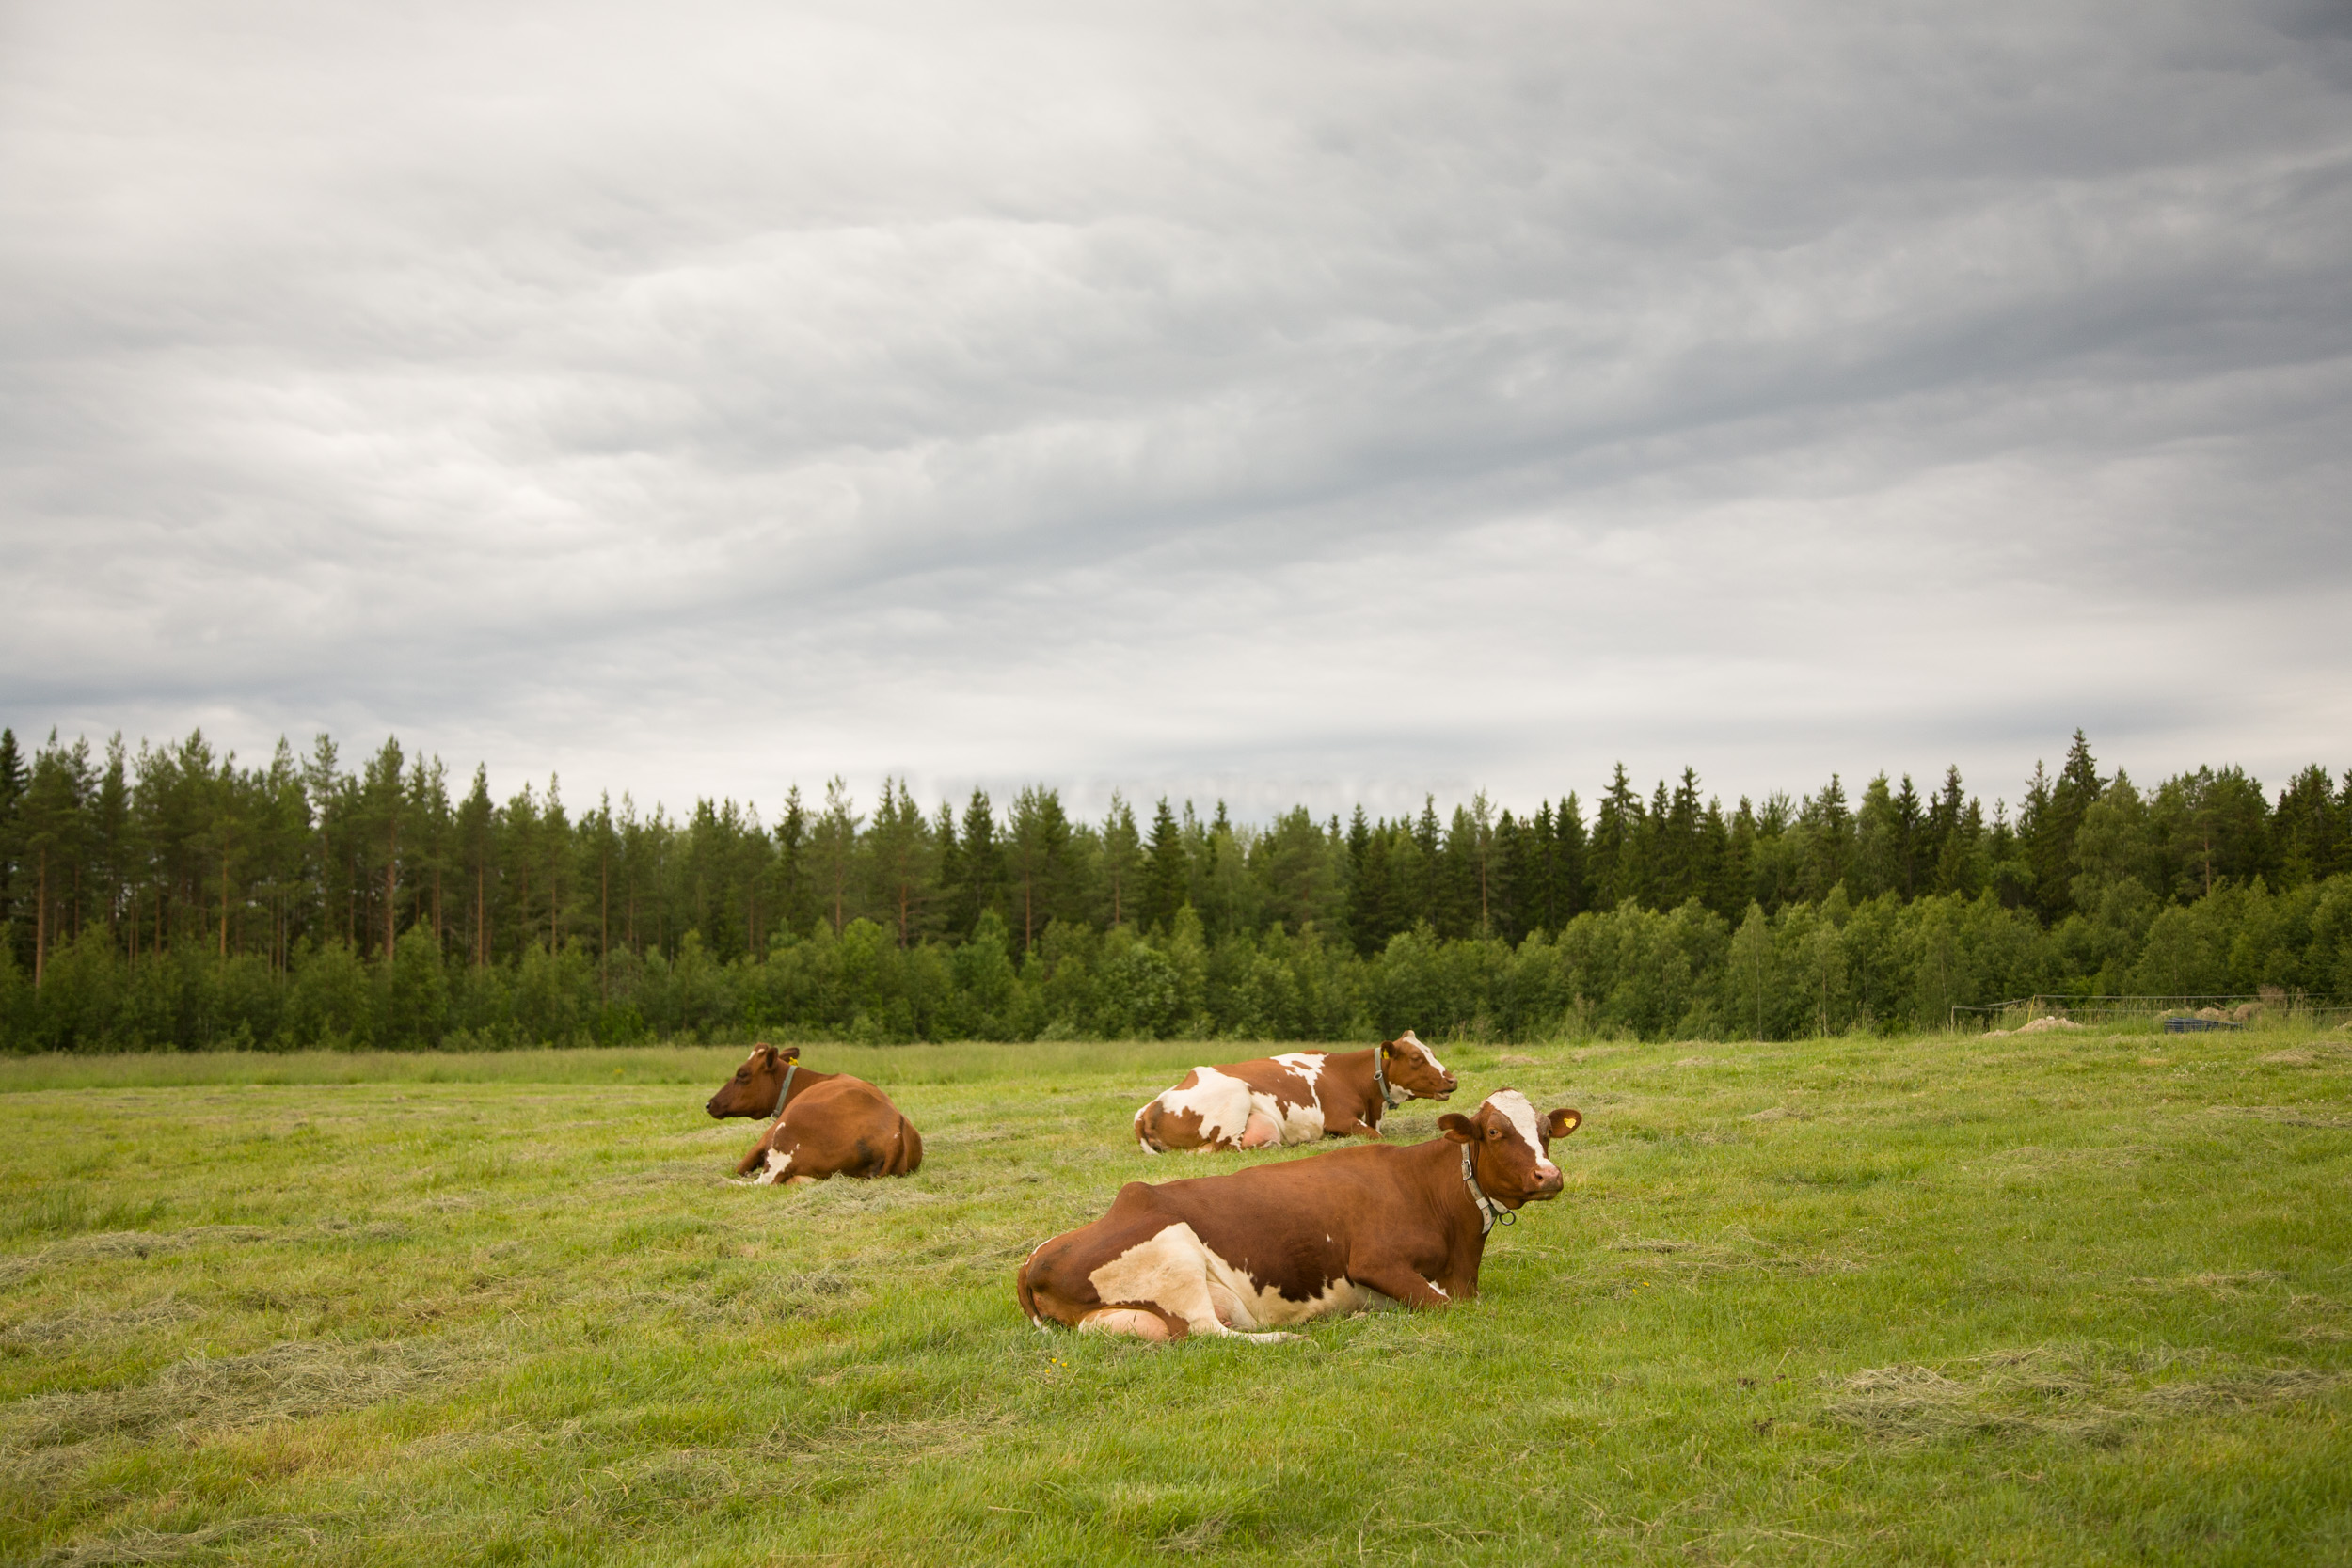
(2065, 1298)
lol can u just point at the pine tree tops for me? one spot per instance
(179, 848)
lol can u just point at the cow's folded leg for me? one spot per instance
(1144, 1323)
(1399, 1282)
(776, 1167)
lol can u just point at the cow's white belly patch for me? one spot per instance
(1337, 1298)
(778, 1166)
(1176, 1272)
(1300, 1124)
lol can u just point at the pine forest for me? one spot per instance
(172, 898)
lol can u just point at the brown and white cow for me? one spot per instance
(1291, 1098)
(1275, 1244)
(827, 1123)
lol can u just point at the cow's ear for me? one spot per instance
(1388, 1048)
(766, 1052)
(789, 1054)
(1456, 1126)
(1563, 1121)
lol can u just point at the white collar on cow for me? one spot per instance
(1489, 1214)
(1380, 1077)
(789, 1068)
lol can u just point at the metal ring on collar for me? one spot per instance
(1493, 1215)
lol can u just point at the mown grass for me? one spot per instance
(2076, 1298)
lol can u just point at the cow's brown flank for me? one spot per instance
(826, 1123)
(1254, 1251)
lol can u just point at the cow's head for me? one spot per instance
(752, 1092)
(1413, 1069)
(1510, 1146)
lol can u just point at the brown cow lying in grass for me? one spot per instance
(827, 1123)
(1291, 1098)
(1280, 1243)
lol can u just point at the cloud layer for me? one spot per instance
(1338, 404)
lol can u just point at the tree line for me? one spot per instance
(173, 898)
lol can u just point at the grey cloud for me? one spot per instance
(1356, 400)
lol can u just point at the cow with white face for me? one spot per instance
(826, 1123)
(1255, 1251)
(1291, 1098)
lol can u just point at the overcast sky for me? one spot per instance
(1292, 402)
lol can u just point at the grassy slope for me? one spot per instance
(2048, 1300)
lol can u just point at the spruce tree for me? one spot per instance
(1641, 867)
(1165, 872)
(950, 864)
(1738, 878)
(1831, 840)
(1576, 873)
(788, 865)
(1679, 874)
(1454, 905)
(523, 879)
(1540, 896)
(2057, 818)
(983, 866)
(1910, 841)
(476, 819)
(1877, 843)
(52, 813)
(2306, 830)
(1368, 900)
(1037, 848)
(1613, 848)
(1943, 826)
(12, 778)
(2341, 859)
(1123, 860)
(555, 849)
(1716, 886)
(904, 860)
(1514, 874)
